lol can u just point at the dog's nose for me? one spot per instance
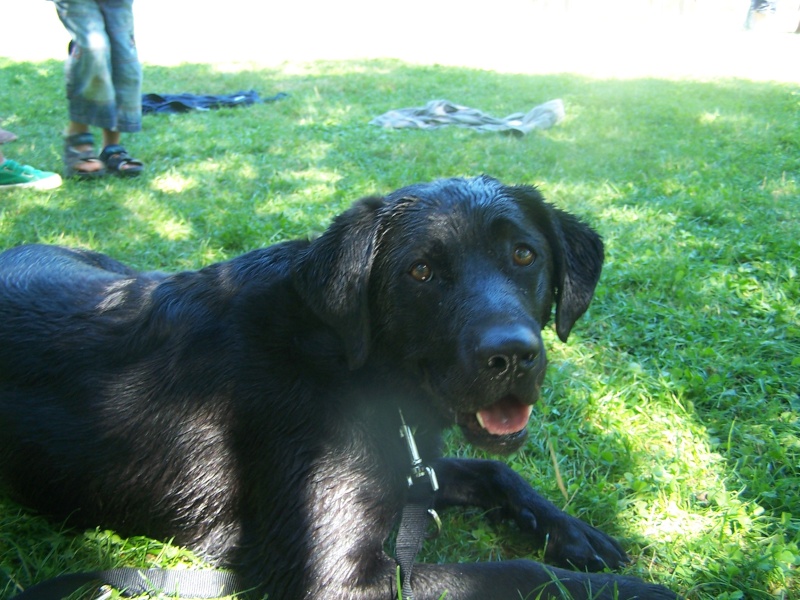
(509, 350)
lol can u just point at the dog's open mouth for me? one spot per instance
(504, 417)
(500, 427)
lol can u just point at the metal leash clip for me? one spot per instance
(419, 471)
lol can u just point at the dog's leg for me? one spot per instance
(490, 484)
(528, 580)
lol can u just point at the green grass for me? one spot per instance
(674, 410)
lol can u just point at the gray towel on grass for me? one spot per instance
(438, 113)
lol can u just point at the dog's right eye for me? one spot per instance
(524, 255)
(421, 271)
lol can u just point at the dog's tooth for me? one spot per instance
(480, 420)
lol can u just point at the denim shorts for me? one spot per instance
(104, 77)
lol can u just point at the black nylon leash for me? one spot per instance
(422, 487)
(180, 583)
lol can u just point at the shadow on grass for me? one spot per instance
(679, 388)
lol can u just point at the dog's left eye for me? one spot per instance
(523, 255)
(421, 271)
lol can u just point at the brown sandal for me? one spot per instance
(75, 160)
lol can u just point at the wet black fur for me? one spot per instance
(249, 410)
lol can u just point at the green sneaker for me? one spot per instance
(15, 175)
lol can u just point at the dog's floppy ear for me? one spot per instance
(577, 256)
(332, 276)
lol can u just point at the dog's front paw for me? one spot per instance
(571, 542)
(568, 541)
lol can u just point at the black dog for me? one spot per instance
(250, 410)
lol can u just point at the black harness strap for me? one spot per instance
(422, 487)
(135, 582)
(410, 535)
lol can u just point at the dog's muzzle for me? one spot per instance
(509, 362)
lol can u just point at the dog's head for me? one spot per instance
(452, 282)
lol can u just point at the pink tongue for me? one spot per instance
(504, 417)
